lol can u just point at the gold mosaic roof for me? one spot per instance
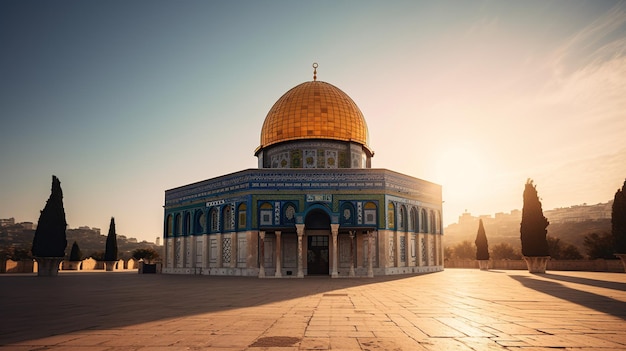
(314, 110)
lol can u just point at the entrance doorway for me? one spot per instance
(317, 224)
(317, 254)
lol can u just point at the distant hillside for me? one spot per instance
(89, 240)
(570, 224)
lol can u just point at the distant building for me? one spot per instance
(5, 222)
(28, 225)
(580, 213)
(507, 225)
(314, 206)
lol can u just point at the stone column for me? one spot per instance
(418, 248)
(191, 249)
(334, 228)
(262, 254)
(441, 256)
(206, 248)
(427, 249)
(407, 248)
(300, 231)
(233, 250)
(352, 232)
(169, 252)
(220, 251)
(370, 250)
(279, 252)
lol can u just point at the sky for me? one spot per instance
(125, 99)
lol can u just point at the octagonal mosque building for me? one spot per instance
(314, 205)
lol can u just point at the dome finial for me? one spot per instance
(315, 71)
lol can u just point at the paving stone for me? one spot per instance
(452, 310)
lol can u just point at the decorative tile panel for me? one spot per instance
(226, 250)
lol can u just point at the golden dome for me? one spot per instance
(314, 110)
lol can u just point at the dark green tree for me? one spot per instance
(533, 228)
(147, 255)
(464, 250)
(482, 246)
(554, 247)
(599, 246)
(448, 252)
(15, 253)
(110, 252)
(50, 239)
(618, 221)
(504, 251)
(570, 252)
(75, 254)
(560, 250)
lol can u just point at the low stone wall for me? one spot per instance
(553, 265)
(89, 264)
(24, 266)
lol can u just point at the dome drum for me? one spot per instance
(315, 154)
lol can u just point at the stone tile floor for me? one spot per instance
(458, 309)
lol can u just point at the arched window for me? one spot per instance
(289, 214)
(347, 214)
(187, 224)
(199, 222)
(179, 225)
(414, 220)
(169, 225)
(227, 212)
(402, 220)
(215, 220)
(423, 224)
(242, 216)
(391, 214)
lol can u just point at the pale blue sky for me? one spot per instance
(125, 99)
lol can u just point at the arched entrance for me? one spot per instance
(317, 225)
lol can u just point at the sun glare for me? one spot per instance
(463, 172)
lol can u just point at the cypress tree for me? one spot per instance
(50, 239)
(618, 220)
(533, 228)
(75, 254)
(482, 247)
(110, 252)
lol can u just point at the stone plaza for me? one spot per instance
(456, 309)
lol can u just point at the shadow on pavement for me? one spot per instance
(35, 307)
(586, 281)
(596, 302)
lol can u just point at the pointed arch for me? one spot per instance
(347, 214)
(414, 220)
(242, 215)
(391, 215)
(423, 221)
(214, 220)
(169, 225)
